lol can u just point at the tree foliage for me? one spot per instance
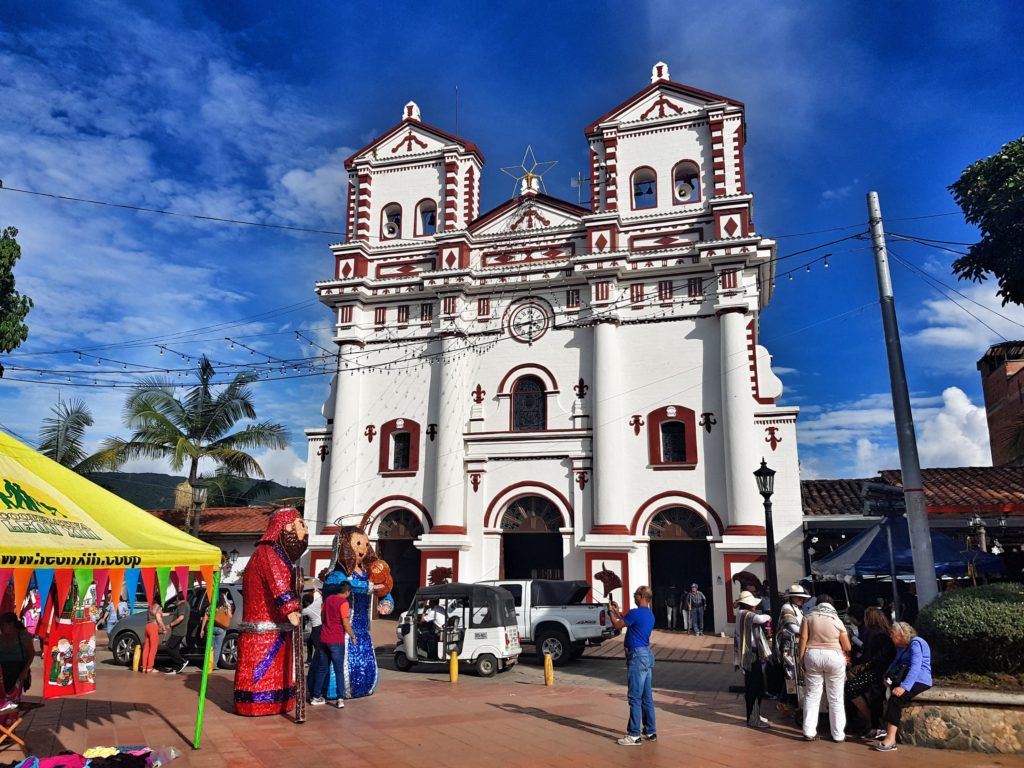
(990, 192)
(62, 436)
(194, 427)
(14, 306)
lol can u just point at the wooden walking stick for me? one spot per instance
(298, 655)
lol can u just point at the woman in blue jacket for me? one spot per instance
(909, 675)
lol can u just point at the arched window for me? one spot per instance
(673, 441)
(426, 218)
(391, 222)
(686, 182)
(672, 438)
(399, 448)
(529, 405)
(645, 188)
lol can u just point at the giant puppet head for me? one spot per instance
(287, 529)
(353, 552)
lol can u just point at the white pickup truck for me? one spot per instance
(552, 616)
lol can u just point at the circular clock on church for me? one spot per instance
(528, 322)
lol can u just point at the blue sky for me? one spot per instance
(247, 110)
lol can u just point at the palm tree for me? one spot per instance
(195, 427)
(62, 435)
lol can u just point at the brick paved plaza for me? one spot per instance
(420, 719)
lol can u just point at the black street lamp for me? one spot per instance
(199, 491)
(766, 487)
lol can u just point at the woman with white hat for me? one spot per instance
(751, 652)
(787, 640)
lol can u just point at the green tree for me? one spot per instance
(990, 192)
(194, 427)
(62, 436)
(13, 306)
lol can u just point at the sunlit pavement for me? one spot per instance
(419, 718)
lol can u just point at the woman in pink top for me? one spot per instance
(824, 645)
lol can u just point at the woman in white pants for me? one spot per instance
(824, 649)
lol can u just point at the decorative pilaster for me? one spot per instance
(745, 510)
(449, 474)
(608, 431)
(345, 445)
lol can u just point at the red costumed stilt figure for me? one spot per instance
(265, 676)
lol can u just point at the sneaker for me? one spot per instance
(629, 741)
(171, 671)
(317, 701)
(810, 738)
(340, 704)
(182, 667)
(876, 735)
(649, 736)
(885, 747)
(7, 706)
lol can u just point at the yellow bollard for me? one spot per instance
(136, 657)
(453, 667)
(549, 670)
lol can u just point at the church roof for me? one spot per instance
(539, 198)
(419, 125)
(665, 85)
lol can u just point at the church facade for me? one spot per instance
(555, 391)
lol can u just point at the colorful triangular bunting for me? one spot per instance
(163, 577)
(131, 585)
(207, 571)
(63, 577)
(149, 584)
(44, 582)
(102, 576)
(83, 577)
(22, 576)
(181, 579)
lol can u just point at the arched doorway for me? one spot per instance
(680, 556)
(396, 536)
(531, 546)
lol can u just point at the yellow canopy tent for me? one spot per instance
(52, 517)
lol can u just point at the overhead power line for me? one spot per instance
(162, 212)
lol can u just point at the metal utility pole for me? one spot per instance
(910, 465)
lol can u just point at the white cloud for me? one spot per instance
(968, 327)
(284, 466)
(858, 438)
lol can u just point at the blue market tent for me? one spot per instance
(867, 556)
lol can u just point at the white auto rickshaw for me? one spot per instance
(475, 620)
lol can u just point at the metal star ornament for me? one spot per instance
(529, 171)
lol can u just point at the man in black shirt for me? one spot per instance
(179, 630)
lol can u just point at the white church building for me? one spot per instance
(554, 391)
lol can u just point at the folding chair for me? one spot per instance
(9, 722)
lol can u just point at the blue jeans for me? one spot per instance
(218, 644)
(328, 655)
(640, 672)
(697, 620)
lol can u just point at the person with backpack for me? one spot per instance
(695, 603)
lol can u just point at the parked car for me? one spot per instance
(129, 633)
(475, 621)
(552, 616)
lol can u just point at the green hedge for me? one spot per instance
(979, 629)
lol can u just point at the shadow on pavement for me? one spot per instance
(569, 722)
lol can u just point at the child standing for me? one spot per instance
(335, 625)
